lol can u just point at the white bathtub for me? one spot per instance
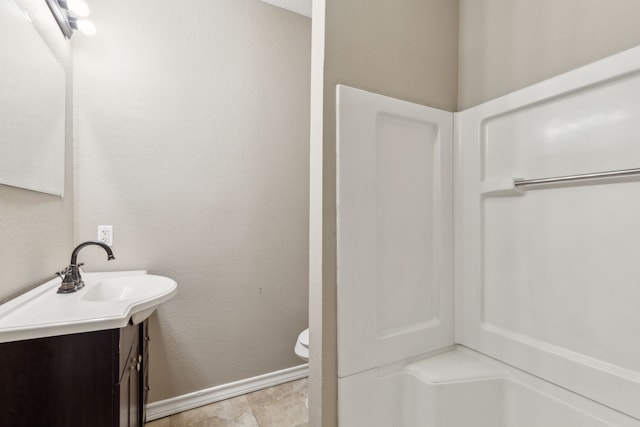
(462, 388)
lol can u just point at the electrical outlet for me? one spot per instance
(105, 234)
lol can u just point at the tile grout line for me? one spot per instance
(255, 417)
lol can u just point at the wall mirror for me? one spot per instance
(32, 107)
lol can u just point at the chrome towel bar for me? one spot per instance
(571, 178)
(515, 186)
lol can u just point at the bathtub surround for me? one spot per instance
(406, 49)
(342, 29)
(395, 230)
(545, 277)
(465, 388)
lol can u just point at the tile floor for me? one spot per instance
(279, 406)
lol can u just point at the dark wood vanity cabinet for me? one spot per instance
(92, 379)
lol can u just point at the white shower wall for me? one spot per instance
(395, 162)
(548, 281)
(545, 280)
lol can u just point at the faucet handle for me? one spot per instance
(64, 272)
(67, 284)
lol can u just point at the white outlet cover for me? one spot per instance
(105, 234)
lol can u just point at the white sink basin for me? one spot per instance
(108, 301)
(128, 288)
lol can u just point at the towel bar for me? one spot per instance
(516, 186)
(582, 177)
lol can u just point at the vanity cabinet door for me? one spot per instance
(129, 389)
(63, 381)
(91, 379)
(132, 376)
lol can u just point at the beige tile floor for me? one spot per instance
(279, 406)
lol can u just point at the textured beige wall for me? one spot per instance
(406, 49)
(36, 229)
(506, 45)
(192, 134)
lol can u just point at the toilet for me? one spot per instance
(302, 345)
(302, 351)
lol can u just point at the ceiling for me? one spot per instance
(302, 7)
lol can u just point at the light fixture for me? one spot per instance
(78, 7)
(83, 25)
(68, 14)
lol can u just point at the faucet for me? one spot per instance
(71, 278)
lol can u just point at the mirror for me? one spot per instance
(32, 107)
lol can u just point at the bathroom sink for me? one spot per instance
(107, 301)
(128, 288)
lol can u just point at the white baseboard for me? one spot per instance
(164, 408)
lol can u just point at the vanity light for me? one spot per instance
(67, 13)
(78, 7)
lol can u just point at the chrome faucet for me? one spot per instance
(71, 278)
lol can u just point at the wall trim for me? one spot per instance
(164, 408)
